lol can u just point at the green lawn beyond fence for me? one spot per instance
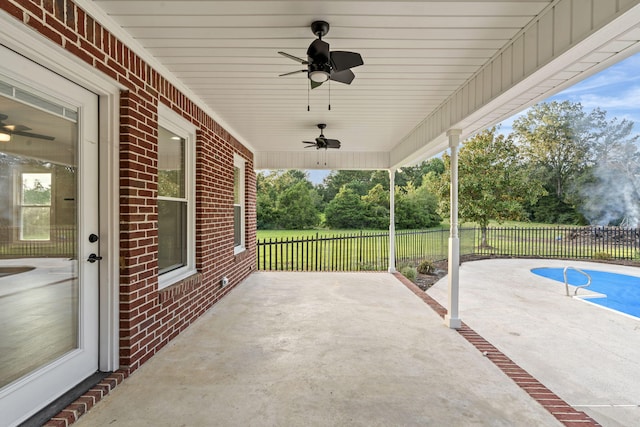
(370, 250)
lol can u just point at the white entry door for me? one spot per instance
(49, 258)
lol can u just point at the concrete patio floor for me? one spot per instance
(319, 349)
(587, 355)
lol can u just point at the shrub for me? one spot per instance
(426, 267)
(602, 256)
(409, 272)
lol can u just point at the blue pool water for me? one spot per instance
(622, 291)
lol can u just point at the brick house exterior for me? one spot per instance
(150, 317)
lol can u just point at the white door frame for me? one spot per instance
(19, 399)
(25, 41)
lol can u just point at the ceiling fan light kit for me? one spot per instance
(7, 130)
(319, 76)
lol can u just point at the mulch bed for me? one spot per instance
(425, 281)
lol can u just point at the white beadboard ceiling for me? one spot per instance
(417, 56)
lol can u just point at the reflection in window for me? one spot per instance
(172, 202)
(35, 206)
(238, 204)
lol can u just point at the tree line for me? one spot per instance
(559, 165)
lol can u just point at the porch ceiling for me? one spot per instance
(418, 57)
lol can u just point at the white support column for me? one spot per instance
(392, 221)
(452, 319)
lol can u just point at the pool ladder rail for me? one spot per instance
(566, 281)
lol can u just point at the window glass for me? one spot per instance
(172, 235)
(172, 202)
(236, 185)
(35, 206)
(171, 165)
(238, 203)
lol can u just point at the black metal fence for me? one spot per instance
(61, 243)
(370, 250)
(345, 252)
(562, 242)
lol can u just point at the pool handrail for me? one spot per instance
(566, 282)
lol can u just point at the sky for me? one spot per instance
(615, 90)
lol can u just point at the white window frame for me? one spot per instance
(19, 181)
(186, 130)
(240, 163)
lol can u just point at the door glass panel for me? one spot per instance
(39, 293)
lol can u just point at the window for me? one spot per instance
(35, 206)
(238, 204)
(176, 242)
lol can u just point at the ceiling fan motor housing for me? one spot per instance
(320, 28)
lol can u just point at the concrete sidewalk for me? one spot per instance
(318, 349)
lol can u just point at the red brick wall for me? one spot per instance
(150, 318)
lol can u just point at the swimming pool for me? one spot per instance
(622, 292)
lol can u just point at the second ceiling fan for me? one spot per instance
(322, 141)
(323, 64)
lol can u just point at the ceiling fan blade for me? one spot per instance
(315, 84)
(308, 142)
(342, 60)
(33, 135)
(318, 52)
(345, 76)
(295, 58)
(332, 143)
(293, 72)
(16, 128)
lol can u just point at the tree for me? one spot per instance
(557, 142)
(37, 194)
(346, 210)
(612, 138)
(416, 173)
(357, 180)
(376, 204)
(295, 208)
(551, 210)
(271, 209)
(416, 207)
(266, 198)
(492, 182)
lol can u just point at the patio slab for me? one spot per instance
(316, 349)
(586, 354)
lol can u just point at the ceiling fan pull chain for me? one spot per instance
(308, 108)
(329, 95)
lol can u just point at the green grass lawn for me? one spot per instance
(280, 234)
(324, 249)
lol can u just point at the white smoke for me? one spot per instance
(614, 199)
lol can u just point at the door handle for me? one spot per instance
(93, 258)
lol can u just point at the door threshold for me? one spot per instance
(49, 411)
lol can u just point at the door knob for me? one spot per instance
(93, 258)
